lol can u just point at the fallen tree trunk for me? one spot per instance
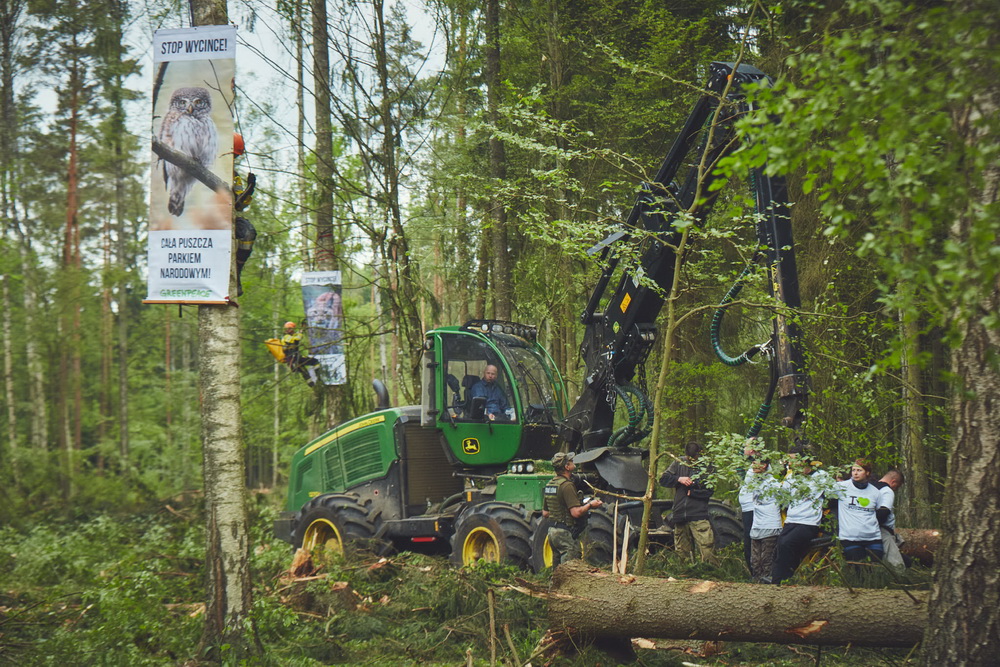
(601, 605)
(920, 543)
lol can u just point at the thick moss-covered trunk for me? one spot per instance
(601, 605)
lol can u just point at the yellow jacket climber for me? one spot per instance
(297, 361)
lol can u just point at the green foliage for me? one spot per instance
(873, 116)
(875, 98)
(107, 590)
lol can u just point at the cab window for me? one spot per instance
(465, 373)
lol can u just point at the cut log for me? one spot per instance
(598, 604)
(920, 543)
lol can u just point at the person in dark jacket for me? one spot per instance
(690, 510)
(496, 401)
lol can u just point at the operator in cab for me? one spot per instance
(567, 515)
(497, 406)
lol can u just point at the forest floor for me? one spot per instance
(129, 590)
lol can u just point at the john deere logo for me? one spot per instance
(470, 445)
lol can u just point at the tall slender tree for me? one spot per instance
(229, 601)
(501, 265)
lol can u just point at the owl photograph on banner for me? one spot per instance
(192, 116)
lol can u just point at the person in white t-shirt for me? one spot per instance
(890, 483)
(808, 486)
(766, 523)
(857, 522)
(745, 499)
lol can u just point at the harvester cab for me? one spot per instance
(489, 421)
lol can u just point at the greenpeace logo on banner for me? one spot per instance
(185, 293)
(189, 46)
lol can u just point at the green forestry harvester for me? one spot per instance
(444, 475)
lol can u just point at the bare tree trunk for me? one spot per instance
(190, 441)
(599, 604)
(326, 256)
(558, 74)
(298, 34)
(168, 398)
(36, 374)
(122, 347)
(406, 294)
(913, 450)
(8, 378)
(377, 278)
(228, 619)
(461, 199)
(482, 275)
(107, 347)
(965, 606)
(9, 19)
(502, 288)
(73, 266)
(912, 441)
(227, 554)
(438, 282)
(122, 256)
(276, 397)
(62, 418)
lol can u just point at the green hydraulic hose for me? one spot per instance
(633, 417)
(720, 313)
(765, 407)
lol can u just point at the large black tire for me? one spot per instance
(661, 535)
(493, 531)
(599, 541)
(334, 522)
(727, 523)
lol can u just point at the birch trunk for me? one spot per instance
(227, 558)
(227, 554)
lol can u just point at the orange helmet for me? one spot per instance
(238, 146)
(289, 325)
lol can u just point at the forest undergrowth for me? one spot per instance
(128, 590)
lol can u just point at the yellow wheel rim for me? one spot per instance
(480, 544)
(547, 556)
(322, 534)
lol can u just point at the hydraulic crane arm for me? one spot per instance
(618, 339)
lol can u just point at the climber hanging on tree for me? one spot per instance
(294, 355)
(246, 233)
